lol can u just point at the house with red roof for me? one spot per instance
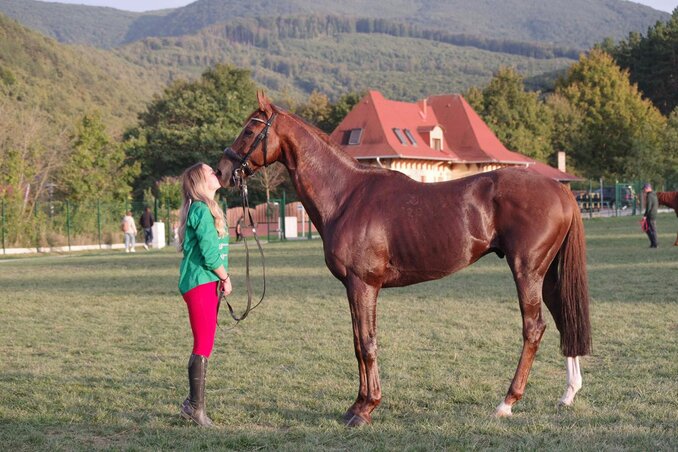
(435, 139)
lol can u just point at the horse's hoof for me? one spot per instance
(347, 416)
(357, 421)
(503, 410)
(564, 403)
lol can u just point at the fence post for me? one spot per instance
(68, 225)
(310, 233)
(99, 221)
(4, 251)
(167, 225)
(282, 218)
(36, 231)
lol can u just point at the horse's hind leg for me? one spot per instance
(529, 286)
(362, 299)
(552, 301)
(574, 380)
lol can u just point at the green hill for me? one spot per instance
(570, 23)
(407, 49)
(566, 23)
(65, 81)
(292, 57)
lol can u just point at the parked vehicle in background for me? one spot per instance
(609, 196)
(597, 200)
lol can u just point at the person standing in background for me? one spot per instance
(130, 230)
(146, 222)
(650, 215)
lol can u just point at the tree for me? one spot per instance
(518, 118)
(670, 152)
(567, 123)
(316, 110)
(97, 168)
(190, 122)
(619, 137)
(326, 116)
(268, 179)
(652, 62)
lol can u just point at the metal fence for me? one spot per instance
(602, 198)
(66, 225)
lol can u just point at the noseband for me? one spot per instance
(243, 168)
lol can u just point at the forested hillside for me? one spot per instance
(64, 81)
(294, 56)
(73, 24)
(564, 23)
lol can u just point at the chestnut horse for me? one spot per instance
(382, 229)
(669, 199)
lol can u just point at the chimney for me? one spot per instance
(561, 161)
(423, 107)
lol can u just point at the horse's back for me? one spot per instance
(397, 231)
(669, 199)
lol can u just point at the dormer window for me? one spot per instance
(410, 137)
(354, 136)
(437, 144)
(401, 137)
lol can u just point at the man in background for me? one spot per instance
(650, 215)
(146, 222)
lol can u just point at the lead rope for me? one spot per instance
(248, 281)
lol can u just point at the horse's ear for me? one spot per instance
(264, 103)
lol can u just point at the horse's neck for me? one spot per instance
(322, 176)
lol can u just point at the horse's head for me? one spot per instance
(257, 145)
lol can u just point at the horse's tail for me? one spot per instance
(573, 288)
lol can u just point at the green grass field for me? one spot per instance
(95, 348)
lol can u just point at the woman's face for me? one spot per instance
(211, 179)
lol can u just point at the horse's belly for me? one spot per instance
(424, 267)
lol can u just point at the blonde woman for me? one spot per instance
(203, 239)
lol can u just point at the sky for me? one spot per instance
(150, 5)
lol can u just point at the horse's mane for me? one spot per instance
(668, 199)
(322, 135)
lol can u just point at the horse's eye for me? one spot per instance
(248, 133)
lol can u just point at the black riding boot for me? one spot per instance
(194, 406)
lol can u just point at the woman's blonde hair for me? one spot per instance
(194, 188)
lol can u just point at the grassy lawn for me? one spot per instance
(95, 348)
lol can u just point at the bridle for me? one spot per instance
(239, 175)
(243, 169)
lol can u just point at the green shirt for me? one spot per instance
(204, 250)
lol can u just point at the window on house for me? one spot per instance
(410, 137)
(401, 137)
(437, 144)
(354, 136)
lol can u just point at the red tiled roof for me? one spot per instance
(378, 117)
(466, 137)
(553, 173)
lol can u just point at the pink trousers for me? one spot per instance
(202, 304)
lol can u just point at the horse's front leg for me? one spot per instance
(362, 299)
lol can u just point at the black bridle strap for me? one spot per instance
(248, 281)
(240, 179)
(262, 137)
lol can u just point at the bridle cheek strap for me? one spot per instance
(262, 137)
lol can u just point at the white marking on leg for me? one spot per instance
(574, 380)
(503, 410)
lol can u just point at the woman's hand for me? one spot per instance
(225, 286)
